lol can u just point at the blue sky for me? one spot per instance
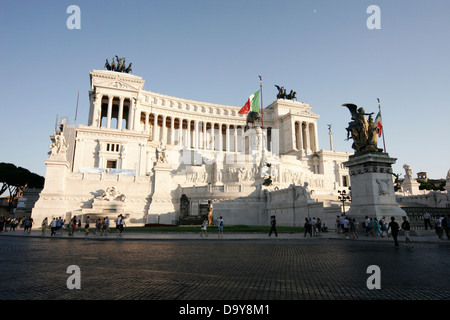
(213, 51)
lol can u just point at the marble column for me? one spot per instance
(109, 113)
(120, 116)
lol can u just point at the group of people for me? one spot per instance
(314, 227)
(440, 223)
(207, 222)
(374, 227)
(101, 226)
(11, 224)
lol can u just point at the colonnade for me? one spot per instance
(195, 134)
(115, 112)
(305, 136)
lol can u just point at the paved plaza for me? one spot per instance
(185, 267)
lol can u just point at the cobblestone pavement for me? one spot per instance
(215, 269)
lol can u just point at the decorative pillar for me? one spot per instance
(188, 134)
(155, 127)
(130, 122)
(196, 135)
(227, 138)
(164, 129)
(293, 135)
(204, 135)
(300, 135)
(235, 138)
(180, 132)
(316, 138)
(172, 130)
(220, 138)
(109, 113)
(213, 138)
(147, 114)
(120, 117)
(308, 141)
(97, 110)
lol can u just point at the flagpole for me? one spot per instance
(76, 110)
(261, 100)
(75, 128)
(262, 116)
(382, 128)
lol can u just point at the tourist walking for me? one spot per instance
(103, 227)
(394, 230)
(70, 227)
(203, 229)
(427, 220)
(308, 228)
(107, 225)
(14, 224)
(383, 226)
(446, 225)
(338, 224)
(319, 226)
(120, 224)
(346, 227)
(438, 226)
(58, 225)
(341, 222)
(44, 225)
(368, 225)
(98, 226)
(220, 227)
(28, 224)
(353, 229)
(53, 227)
(86, 226)
(376, 227)
(74, 224)
(273, 226)
(313, 226)
(406, 227)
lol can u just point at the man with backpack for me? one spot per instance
(220, 227)
(406, 227)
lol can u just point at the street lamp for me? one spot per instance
(344, 197)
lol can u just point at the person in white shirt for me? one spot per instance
(427, 220)
(53, 227)
(346, 227)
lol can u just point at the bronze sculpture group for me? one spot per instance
(252, 117)
(363, 131)
(283, 95)
(118, 65)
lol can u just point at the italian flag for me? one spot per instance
(378, 123)
(252, 104)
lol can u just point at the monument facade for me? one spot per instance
(154, 148)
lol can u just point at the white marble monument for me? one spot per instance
(152, 146)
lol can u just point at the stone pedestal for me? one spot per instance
(52, 202)
(162, 209)
(372, 188)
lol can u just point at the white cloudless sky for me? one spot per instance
(213, 51)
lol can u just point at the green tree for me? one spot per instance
(16, 179)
